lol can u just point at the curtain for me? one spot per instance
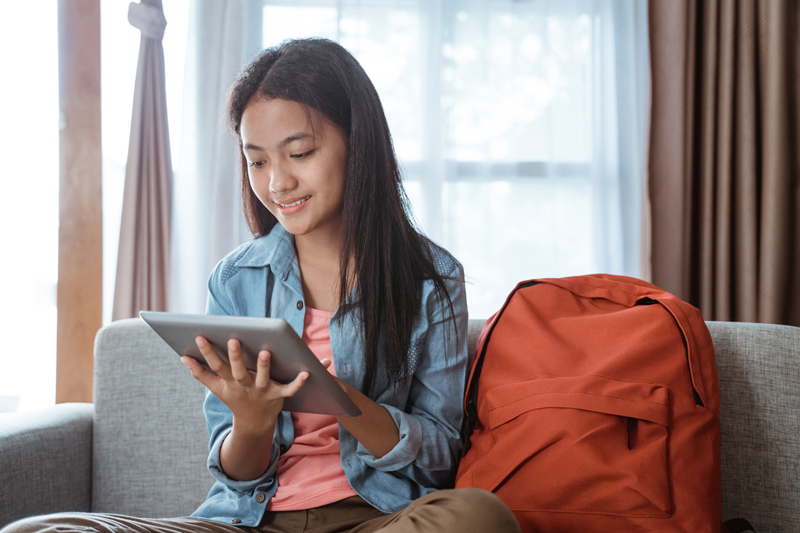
(208, 220)
(144, 244)
(724, 158)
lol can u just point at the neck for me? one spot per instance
(318, 249)
(318, 259)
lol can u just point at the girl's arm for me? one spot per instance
(428, 417)
(375, 428)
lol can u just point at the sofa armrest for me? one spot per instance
(46, 461)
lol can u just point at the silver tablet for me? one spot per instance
(290, 355)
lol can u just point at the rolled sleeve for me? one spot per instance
(215, 467)
(404, 452)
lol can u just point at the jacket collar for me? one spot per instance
(276, 249)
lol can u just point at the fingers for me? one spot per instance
(195, 367)
(262, 369)
(263, 380)
(290, 389)
(235, 369)
(238, 370)
(326, 363)
(201, 374)
(215, 362)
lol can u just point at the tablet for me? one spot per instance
(321, 394)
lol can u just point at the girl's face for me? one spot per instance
(296, 170)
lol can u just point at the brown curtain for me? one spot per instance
(725, 156)
(144, 240)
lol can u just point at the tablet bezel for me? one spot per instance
(321, 394)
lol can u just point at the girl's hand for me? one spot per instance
(374, 427)
(254, 399)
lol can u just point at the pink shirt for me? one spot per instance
(310, 473)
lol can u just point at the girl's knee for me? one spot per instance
(25, 525)
(52, 523)
(485, 510)
(468, 510)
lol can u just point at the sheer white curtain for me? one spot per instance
(207, 215)
(520, 127)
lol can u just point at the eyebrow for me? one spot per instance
(287, 140)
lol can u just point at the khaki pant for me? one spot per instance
(456, 511)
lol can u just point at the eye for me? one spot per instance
(302, 156)
(255, 164)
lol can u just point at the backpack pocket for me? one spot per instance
(582, 444)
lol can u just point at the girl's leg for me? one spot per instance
(110, 523)
(448, 511)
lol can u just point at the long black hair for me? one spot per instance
(383, 255)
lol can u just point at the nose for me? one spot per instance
(281, 179)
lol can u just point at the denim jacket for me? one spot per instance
(262, 278)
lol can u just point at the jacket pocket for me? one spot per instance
(585, 444)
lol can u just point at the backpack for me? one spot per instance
(593, 406)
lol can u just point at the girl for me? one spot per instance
(384, 308)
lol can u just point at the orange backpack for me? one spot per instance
(593, 405)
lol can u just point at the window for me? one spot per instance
(29, 204)
(519, 125)
(504, 115)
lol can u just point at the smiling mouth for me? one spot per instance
(298, 202)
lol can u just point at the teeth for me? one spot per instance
(298, 202)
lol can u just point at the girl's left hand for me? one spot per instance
(374, 427)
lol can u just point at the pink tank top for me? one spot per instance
(310, 473)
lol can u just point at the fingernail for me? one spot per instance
(262, 356)
(201, 342)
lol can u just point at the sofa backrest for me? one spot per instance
(759, 381)
(151, 445)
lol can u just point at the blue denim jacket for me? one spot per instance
(262, 278)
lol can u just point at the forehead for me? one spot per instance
(270, 121)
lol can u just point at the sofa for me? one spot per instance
(141, 448)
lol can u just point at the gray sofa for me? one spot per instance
(141, 448)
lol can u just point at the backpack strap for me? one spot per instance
(737, 525)
(471, 405)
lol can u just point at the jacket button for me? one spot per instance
(236, 521)
(283, 448)
(260, 497)
(299, 304)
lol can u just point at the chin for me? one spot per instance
(295, 229)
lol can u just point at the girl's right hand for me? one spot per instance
(254, 399)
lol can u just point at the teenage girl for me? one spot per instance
(380, 305)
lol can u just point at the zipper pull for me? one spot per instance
(631, 422)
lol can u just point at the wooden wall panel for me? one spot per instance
(80, 260)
